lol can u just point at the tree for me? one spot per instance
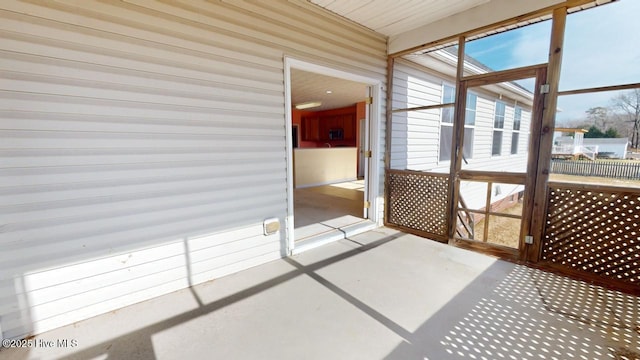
(611, 133)
(594, 132)
(629, 104)
(599, 115)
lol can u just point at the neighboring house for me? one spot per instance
(610, 148)
(570, 143)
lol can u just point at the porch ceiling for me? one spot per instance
(412, 23)
(392, 17)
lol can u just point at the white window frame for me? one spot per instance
(517, 110)
(467, 127)
(498, 129)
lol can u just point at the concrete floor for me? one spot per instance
(378, 295)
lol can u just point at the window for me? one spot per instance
(498, 128)
(446, 126)
(515, 136)
(517, 118)
(470, 113)
(448, 96)
(498, 118)
(469, 122)
(446, 136)
(467, 149)
(496, 149)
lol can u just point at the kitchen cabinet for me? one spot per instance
(311, 128)
(319, 127)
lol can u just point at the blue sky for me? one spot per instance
(602, 47)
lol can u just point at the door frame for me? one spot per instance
(539, 72)
(374, 112)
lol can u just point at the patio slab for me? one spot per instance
(381, 294)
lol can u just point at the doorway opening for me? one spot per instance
(329, 156)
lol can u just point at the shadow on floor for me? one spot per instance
(395, 296)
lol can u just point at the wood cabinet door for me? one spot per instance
(349, 126)
(311, 128)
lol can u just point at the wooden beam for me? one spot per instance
(487, 208)
(545, 141)
(426, 107)
(494, 176)
(505, 23)
(419, 173)
(503, 75)
(457, 141)
(594, 187)
(537, 128)
(599, 89)
(424, 234)
(387, 138)
(483, 212)
(501, 251)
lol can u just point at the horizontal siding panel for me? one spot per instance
(93, 273)
(96, 204)
(109, 156)
(23, 101)
(168, 93)
(217, 123)
(138, 99)
(144, 24)
(290, 33)
(51, 48)
(40, 179)
(160, 186)
(63, 68)
(325, 28)
(152, 40)
(96, 140)
(114, 239)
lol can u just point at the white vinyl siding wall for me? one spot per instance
(143, 145)
(415, 134)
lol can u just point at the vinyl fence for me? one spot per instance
(610, 169)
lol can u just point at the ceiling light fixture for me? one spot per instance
(329, 92)
(308, 105)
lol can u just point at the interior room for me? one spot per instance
(329, 140)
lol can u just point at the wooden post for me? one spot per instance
(457, 141)
(387, 139)
(545, 142)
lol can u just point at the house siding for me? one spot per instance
(143, 145)
(415, 135)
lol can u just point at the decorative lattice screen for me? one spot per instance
(594, 230)
(419, 201)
